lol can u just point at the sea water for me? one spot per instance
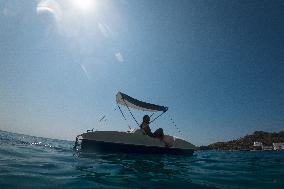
(35, 162)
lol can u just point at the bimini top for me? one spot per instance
(126, 100)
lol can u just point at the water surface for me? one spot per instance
(35, 162)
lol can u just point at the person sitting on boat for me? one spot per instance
(159, 133)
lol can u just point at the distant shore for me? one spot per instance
(257, 141)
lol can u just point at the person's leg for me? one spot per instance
(159, 133)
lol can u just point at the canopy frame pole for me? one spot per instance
(121, 112)
(173, 122)
(124, 116)
(157, 117)
(130, 112)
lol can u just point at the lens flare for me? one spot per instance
(84, 5)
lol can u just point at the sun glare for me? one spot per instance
(84, 5)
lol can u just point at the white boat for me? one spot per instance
(134, 141)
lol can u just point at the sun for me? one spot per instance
(84, 5)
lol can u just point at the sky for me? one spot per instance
(218, 65)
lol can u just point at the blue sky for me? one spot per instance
(218, 65)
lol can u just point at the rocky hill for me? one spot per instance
(246, 143)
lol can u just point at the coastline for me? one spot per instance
(257, 141)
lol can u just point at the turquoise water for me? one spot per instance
(34, 162)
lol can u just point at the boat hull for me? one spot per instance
(102, 146)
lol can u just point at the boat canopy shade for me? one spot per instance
(128, 101)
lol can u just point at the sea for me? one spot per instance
(36, 162)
